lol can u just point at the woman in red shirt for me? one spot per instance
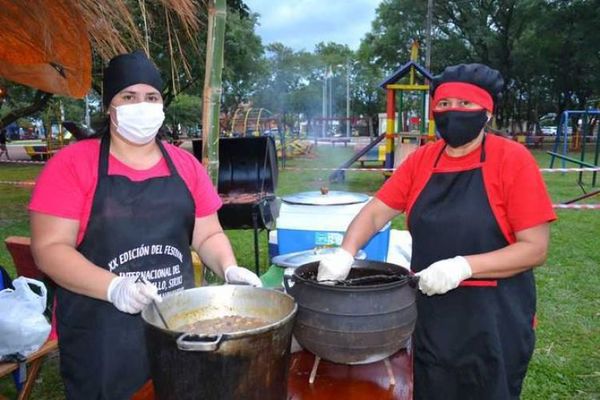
(478, 213)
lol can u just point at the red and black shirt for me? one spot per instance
(515, 188)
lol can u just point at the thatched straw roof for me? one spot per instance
(46, 44)
(113, 29)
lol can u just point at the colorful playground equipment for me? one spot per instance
(406, 122)
(251, 121)
(579, 138)
(407, 140)
(293, 147)
(374, 156)
(41, 152)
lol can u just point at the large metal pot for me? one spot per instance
(354, 324)
(251, 364)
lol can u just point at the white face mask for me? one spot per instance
(139, 123)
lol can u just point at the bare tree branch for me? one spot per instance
(40, 101)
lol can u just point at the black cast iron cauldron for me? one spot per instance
(354, 324)
(246, 365)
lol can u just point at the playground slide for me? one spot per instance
(338, 175)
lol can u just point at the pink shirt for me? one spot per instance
(66, 186)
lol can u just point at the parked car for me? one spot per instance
(549, 130)
(553, 130)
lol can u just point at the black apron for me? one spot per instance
(135, 228)
(475, 341)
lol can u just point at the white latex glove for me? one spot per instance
(335, 266)
(235, 274)
(129, 296)
(444, 275)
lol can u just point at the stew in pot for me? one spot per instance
(218, 326)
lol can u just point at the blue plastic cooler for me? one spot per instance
(314, 219)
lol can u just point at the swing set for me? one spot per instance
(578, 141)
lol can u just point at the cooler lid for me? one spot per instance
(299, 258)
(329, 198)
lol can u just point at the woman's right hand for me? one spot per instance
(239, 275)
(131, 296)
(335, 266)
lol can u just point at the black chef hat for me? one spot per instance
(129, 69)
(479, 75)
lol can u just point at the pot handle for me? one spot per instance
(193, 342)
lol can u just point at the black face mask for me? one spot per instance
(458, 128)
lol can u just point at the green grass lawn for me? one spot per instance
(566, 363)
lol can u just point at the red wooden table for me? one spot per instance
(337, 381)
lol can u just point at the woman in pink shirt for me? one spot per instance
(112, 221)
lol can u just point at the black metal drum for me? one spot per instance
(247, 181)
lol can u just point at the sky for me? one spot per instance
(301, 24)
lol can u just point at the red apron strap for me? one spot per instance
(479, 283)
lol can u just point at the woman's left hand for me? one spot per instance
(244, 276)
(444, 275)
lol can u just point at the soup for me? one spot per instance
(227, 324)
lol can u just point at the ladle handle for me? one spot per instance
(413, 280)
(160, 315)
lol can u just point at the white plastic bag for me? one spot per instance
(23, 326)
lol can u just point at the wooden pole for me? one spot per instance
(211, 104)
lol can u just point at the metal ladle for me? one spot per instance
(140, 279)
(164, 321)
(374, 279)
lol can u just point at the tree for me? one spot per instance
(546, 68)
(288, 72)
(572, 56)
(244, 62)
(368, 98)
(184, 112)
(490, 32)
(396, 25)
(20, 102)
(338, 59)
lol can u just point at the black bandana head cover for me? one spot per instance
(129, 69)
(478, 75)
